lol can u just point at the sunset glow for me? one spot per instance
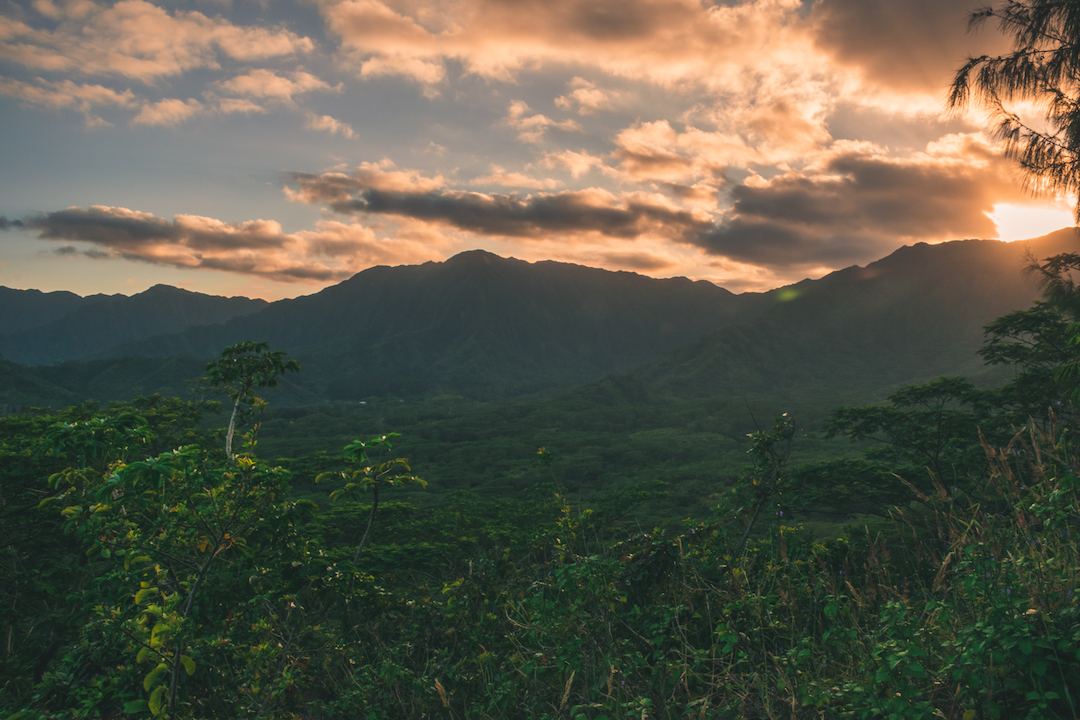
(1022, 222)
(273, 150)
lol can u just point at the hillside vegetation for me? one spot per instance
(928, 569)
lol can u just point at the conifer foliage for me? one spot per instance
(1043, 68)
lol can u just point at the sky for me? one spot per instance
(270, 149)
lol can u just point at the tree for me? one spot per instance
(1037, 343)
(392, 473)
(1043, 68)
(241, 369)
(764, 480)
(194, 594)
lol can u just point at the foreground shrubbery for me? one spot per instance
(201, 590)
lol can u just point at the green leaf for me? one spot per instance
(161, 629)
(143, 594)
(155, 701)
(188, 663)
(133, 707)
(143, 652)
(152, 678)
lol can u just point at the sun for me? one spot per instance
(1023, 222)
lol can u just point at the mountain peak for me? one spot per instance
(479, 257)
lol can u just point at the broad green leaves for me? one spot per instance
(241, 370)
(391, 473)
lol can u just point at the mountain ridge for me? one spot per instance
(489, 327)
(66, 327)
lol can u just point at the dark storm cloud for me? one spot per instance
(257, 247)
(906, 45)
(105, 228)
(6, 224)
(131, 230)
(855, 203)
(859, 205)
(622, 216)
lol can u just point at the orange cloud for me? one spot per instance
(578, 163)
(262, 83)
(587, 97)
(138, 40)
(67, 94)
(499, 176)
(592, 212)
(338, 188)
(913, 46)
(171, 111)
(855, 203)
(656, 151)
(531, 128)
(238, 105)
(659, 41)
(328, 124)
(331, 252)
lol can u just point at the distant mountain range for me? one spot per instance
(488, 327)
(912, 316)
(39, 328)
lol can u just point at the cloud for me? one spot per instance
(592, 211)
(171, 111)
(331, 252)
(768, 132)
(137, 40)
(639, 261)
(262, 83)
(857, 203)
(658, 41)
(767, 82)
(531, 128)
(578, 163)
(230, 106)
(499, 176)
(656, 151)
(337, 188)
(850, 203)
(83, 98)
(587, 97)
(908, 46)
(328, 124)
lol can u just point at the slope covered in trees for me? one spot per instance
(43, 328)
(198, 584)
(489, 328)
(475, 324)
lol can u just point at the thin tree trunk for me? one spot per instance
(232, 427)
(371, 520)
(746, 533)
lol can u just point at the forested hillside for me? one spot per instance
(157, 568)
(43, 328)
(489, 328)
(709, 534)
(477, 324)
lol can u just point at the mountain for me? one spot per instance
(42, 328)
(22, 309)
(911, 316)
(476, 324)
(22, 387)
(487, 328)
